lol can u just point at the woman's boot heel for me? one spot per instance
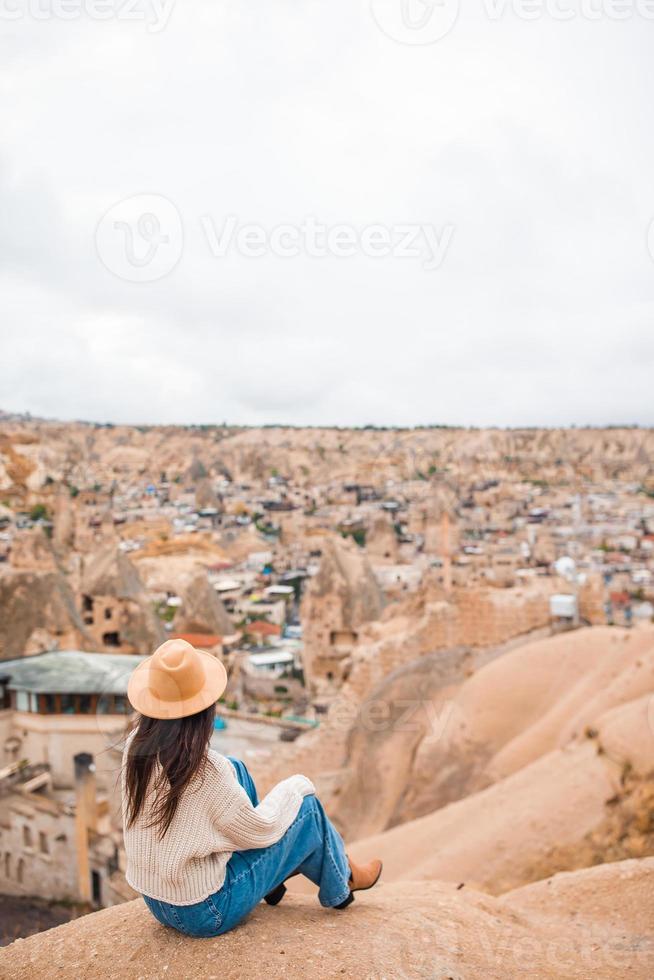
(276, 895)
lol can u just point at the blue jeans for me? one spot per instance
(311, 846)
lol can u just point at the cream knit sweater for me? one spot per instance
(213, 819)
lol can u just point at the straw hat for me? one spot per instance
(176, 681)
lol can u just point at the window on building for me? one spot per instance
(87, 609)
(47, 704)
(43, 843)
(27, 836)
(111, 639)
(105, 704)
(67, 704)
(22, 701)
(84, 704)
(342, 637)
(121, 705)
(7, 865)
(20, 871)
(108, 613)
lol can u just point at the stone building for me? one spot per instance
(54, 703)
(59, 846)
(60, 834)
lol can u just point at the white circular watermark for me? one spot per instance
(141, 238)
(415, 21)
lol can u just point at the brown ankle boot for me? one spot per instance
(363, 876)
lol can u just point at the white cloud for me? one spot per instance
(532, 139)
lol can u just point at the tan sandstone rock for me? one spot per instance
(591, 924)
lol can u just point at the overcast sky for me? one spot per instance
(525, 147)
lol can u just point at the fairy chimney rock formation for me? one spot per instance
(38, 613)
(440, 522)
(201, 610)
(31, 551)
(340, 598)
(115, 606)
(205, 495)
(63, 534)
(381, 540)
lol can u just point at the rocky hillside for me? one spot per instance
(452, 735)
(37, 453)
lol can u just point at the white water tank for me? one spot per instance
(563, 606)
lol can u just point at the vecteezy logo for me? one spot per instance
(140, 239)
(415, 21)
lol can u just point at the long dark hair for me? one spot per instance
(180, 746)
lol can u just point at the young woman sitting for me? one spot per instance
(201, 848)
